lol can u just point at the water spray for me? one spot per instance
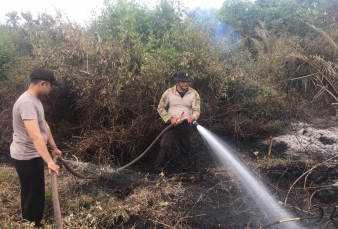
(258, 192)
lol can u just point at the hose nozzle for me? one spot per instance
(194, 123)
(182, 119)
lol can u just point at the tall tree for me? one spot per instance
(13, 18)
(241, 14)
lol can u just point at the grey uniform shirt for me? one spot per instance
(27, 107)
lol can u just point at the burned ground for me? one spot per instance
(209, 198)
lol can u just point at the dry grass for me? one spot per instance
(267, 163)
(132, 200)
(127, 200)
(214, 198)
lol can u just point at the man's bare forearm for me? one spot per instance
(41, 147)
(50, 138)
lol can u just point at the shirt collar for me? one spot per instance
(174, 90)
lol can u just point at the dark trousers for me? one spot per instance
(32, 182)
(183, 131)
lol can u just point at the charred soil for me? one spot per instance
(208, 197)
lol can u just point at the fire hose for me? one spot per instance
(56, 200)
(130, 163)
(55, 193)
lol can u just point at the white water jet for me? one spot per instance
(266, 203)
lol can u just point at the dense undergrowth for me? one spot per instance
(115, 70)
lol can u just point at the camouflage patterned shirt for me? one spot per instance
(172, 104)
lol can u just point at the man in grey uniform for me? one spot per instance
(28, 149)
(180, 101)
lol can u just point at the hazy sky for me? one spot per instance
(79, 10)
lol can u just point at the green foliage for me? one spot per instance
(13, 47)
(15, 66)
(241, 14)
(9, 177)
(8, 49)
(287, 22)
(48, 193)
(4, 56)
(279, 16)
(257, 98)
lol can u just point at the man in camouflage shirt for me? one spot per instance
(178, 102)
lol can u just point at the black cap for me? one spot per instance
(183, 75)
(45, 74)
